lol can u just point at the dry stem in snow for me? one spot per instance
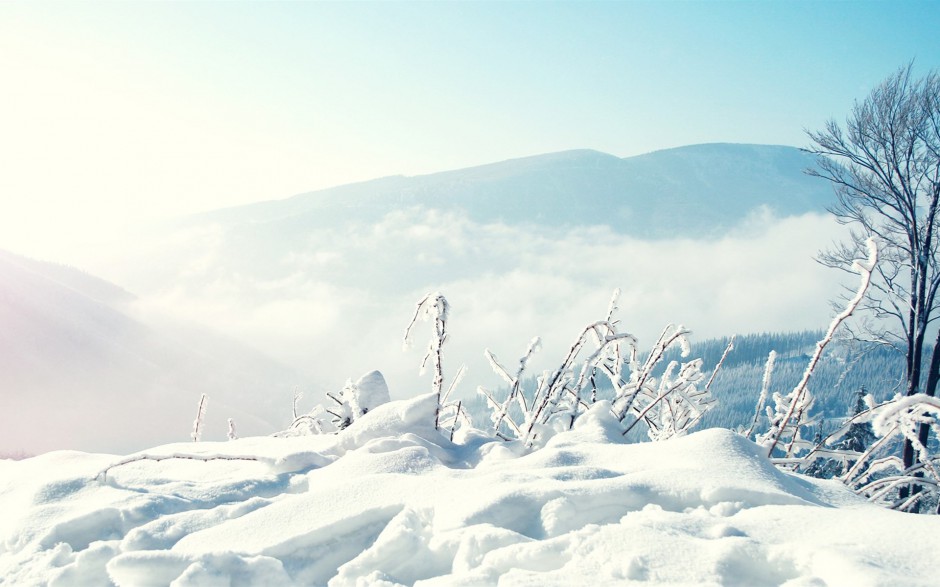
(433, 306)
(200, 416)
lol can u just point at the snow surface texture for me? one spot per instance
(390, 501)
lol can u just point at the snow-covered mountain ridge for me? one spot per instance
(698, 190)
(389, 501)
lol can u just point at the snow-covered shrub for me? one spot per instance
(833, 455)
(669, 404)
(353, 401)
(867, 455)
(878, 472)
(557, 399)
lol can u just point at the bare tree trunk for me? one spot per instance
(914, 360)
(923, 431)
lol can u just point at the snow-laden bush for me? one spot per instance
(669, 403)
(353, 401)
(876, 471)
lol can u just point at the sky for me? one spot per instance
(115, 113)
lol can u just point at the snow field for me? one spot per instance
(389, 501)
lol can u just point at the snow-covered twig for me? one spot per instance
(551, 389)
(501, 410)
(297, 397)
(432, 306)
(200, 415)
(721, 362)
(764, 390)
(103, 474)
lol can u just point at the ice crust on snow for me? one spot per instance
(390, 501)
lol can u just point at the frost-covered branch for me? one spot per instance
(200, 416)
(627, 394)
(787, 422)
(764, 390)
(433, 306)
(552, 388)
(500, 411)
(298, 395)
(875, 472)
(103, 474)
(721, 362)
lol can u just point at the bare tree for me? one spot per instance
(885, 167)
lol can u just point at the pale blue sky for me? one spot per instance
(114, 112)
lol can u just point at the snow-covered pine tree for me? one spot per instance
(857, 438)
(860, 435)
(880, 474)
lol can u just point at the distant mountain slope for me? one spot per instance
(79, 370)
(699, 190)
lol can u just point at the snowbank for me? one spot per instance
(390, 501)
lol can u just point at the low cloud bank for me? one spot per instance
(335, 304)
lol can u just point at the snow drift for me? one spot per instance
(390, 501)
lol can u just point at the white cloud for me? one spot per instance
(338, 307)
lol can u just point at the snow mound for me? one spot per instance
(390, 501)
